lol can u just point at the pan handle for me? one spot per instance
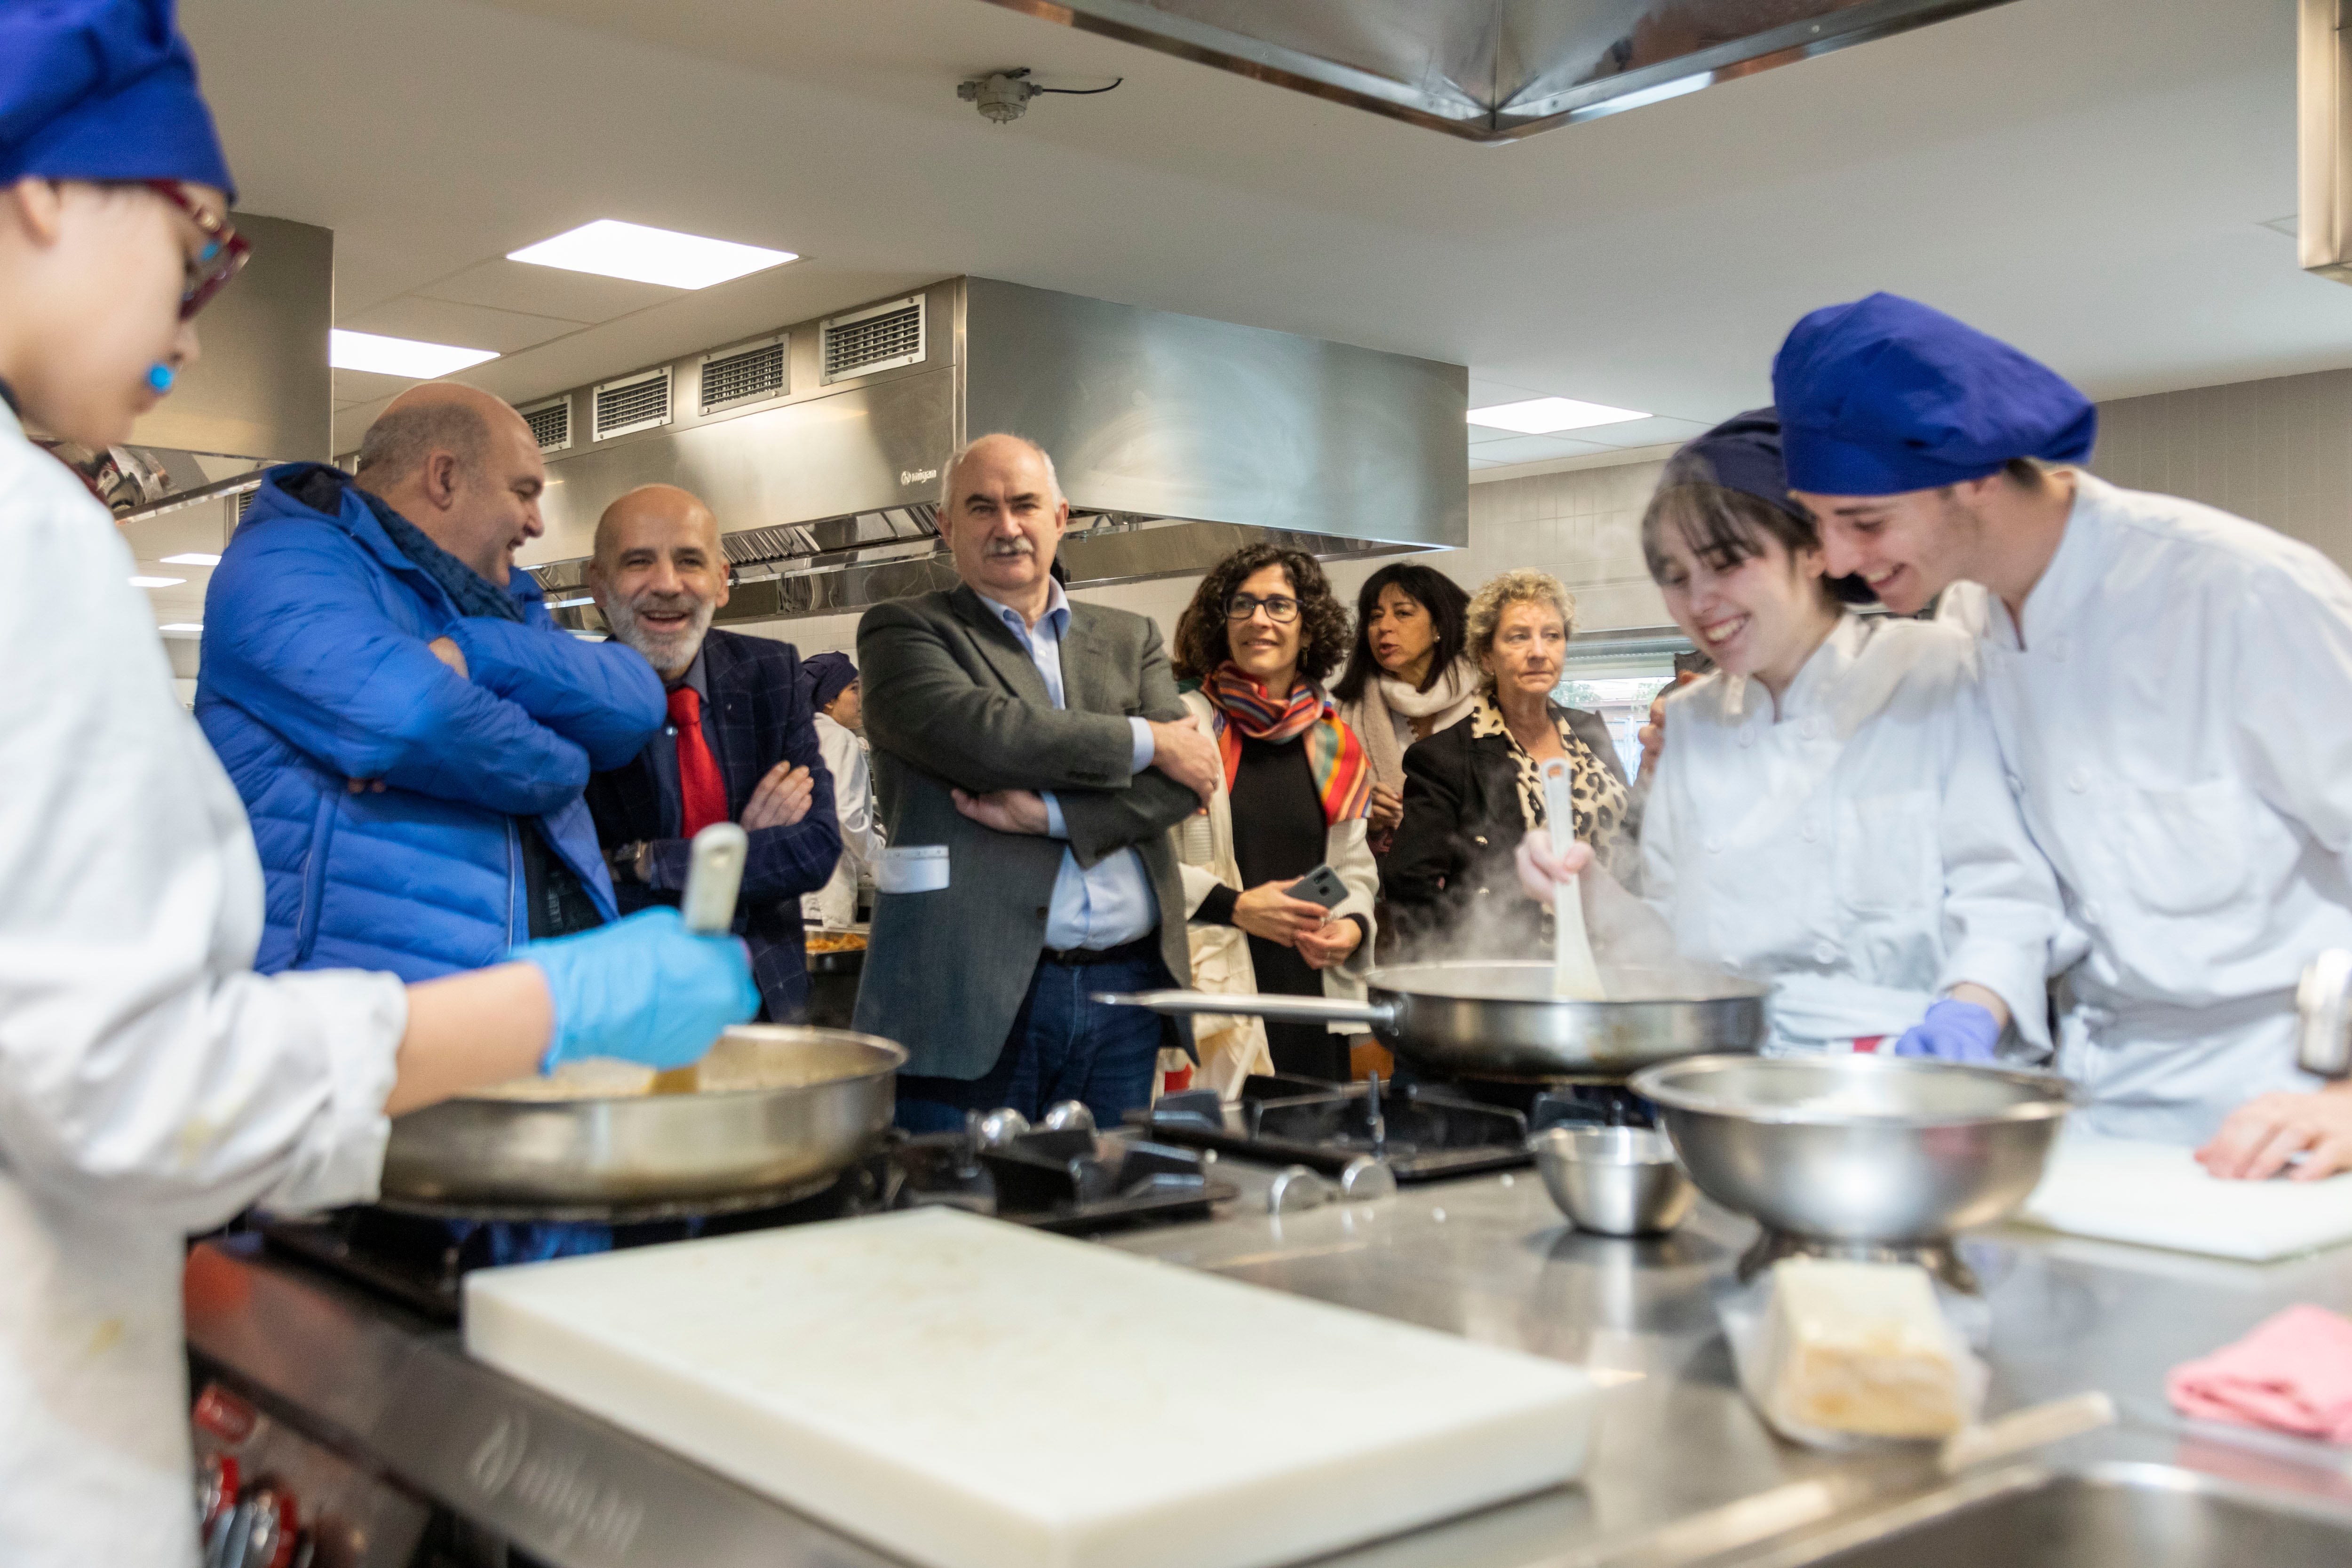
(1274, 1009)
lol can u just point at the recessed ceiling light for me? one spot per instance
(568, 604)
(399, 356)
(612, 249)
(181, 626)
(157, 581)
(1544, 415)
(193, 557)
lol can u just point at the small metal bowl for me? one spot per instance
(1616, 1181)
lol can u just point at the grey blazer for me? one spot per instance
(952, 700)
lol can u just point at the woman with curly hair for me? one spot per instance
(1262, 632)
(1474, 791)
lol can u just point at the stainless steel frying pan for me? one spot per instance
(1502, 1020)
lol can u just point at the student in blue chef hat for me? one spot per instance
(2172, 688)
(151, 1084)
(1828, 811)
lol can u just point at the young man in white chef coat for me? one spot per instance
(151, 1083)
(2172, 689)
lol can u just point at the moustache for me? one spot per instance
(1011, 547)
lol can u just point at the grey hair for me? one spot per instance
(402, 438)
(956, 457)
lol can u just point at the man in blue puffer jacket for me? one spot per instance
(409, 728)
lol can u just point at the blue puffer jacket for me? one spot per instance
(316, 672)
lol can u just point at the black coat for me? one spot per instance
(759, 717)
(1450, 871)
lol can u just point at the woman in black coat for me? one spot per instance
(1472, 791)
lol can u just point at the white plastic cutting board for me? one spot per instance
(972, 1394)
(2156, 1195)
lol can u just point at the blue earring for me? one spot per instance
(159, 376)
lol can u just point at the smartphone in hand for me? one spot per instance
(1322, 886)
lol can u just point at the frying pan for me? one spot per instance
(1501, 1020)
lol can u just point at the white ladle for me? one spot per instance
(1573, 973)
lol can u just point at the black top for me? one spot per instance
(1453, 852)
(1279, 835)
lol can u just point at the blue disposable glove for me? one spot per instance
(1952, 1032)
(643, 990)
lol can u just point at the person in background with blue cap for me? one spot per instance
(831, 681)
(1830, 813)
(2172, 691)
(151, 1084)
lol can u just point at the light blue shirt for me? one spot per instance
(1112, 903)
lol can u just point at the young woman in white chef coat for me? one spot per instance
(151, 1084)
(1828, 812)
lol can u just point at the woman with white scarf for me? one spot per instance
(1406, 678)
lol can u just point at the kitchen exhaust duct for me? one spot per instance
(2324, 136)
(1176, 439)
(1496, 70)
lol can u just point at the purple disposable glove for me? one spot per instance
(1952, 1032)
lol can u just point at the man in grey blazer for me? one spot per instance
(1030, 755)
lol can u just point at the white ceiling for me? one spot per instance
(2086, 177)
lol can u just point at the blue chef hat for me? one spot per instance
(823, 676)
(1886, 395)
(1743, 453)
(103, 89)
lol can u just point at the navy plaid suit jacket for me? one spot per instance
(759, 717)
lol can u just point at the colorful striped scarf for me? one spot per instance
(1342, 770)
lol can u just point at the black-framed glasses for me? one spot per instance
(224, 256)
(1280, 608)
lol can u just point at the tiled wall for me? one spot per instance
(2278, 451)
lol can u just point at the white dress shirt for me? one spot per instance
(1859, 849)
(2176, 713)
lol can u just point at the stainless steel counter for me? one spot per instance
(1684, 1470)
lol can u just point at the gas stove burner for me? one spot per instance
(1941, 1259)
(1420, 1133)
(1547, 1102)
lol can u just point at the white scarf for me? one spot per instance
(1448, 700)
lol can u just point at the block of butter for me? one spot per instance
(1859, 1348)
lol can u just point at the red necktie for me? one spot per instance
(702, 793)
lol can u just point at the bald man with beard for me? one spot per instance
(410, 731)
(741, 743)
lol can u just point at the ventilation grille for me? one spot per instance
(882, 338)
(245, 501)
(551, 425)
(744, 375)
(639, 403)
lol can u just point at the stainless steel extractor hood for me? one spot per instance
(1493, 71)
(2323, 115)
(1176, 438)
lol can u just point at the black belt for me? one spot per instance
(1078, 957)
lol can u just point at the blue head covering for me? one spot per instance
(103, 89)
(823, 676)
(1886, 395)
(1743, 453)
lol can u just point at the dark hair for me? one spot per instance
(1726, 527)
(1180, 663)
(1322, 622)
(1434, 592)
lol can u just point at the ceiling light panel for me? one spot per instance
(181, 627)
(612, 249)
(1547, 416)
(399, 356)
(192, 558)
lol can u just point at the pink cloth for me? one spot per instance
(2294, 1373)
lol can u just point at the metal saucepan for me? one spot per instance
(1502, 1019)
(824, 1099)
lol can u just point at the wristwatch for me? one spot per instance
(632, 859)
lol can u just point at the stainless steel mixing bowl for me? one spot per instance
(1859, 1149)
(1615, 1180)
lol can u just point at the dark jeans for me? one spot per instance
(1063, 1045)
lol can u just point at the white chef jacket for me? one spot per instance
(2177, 720)
(1861, 851)
(151, 1084)
(844, 750)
